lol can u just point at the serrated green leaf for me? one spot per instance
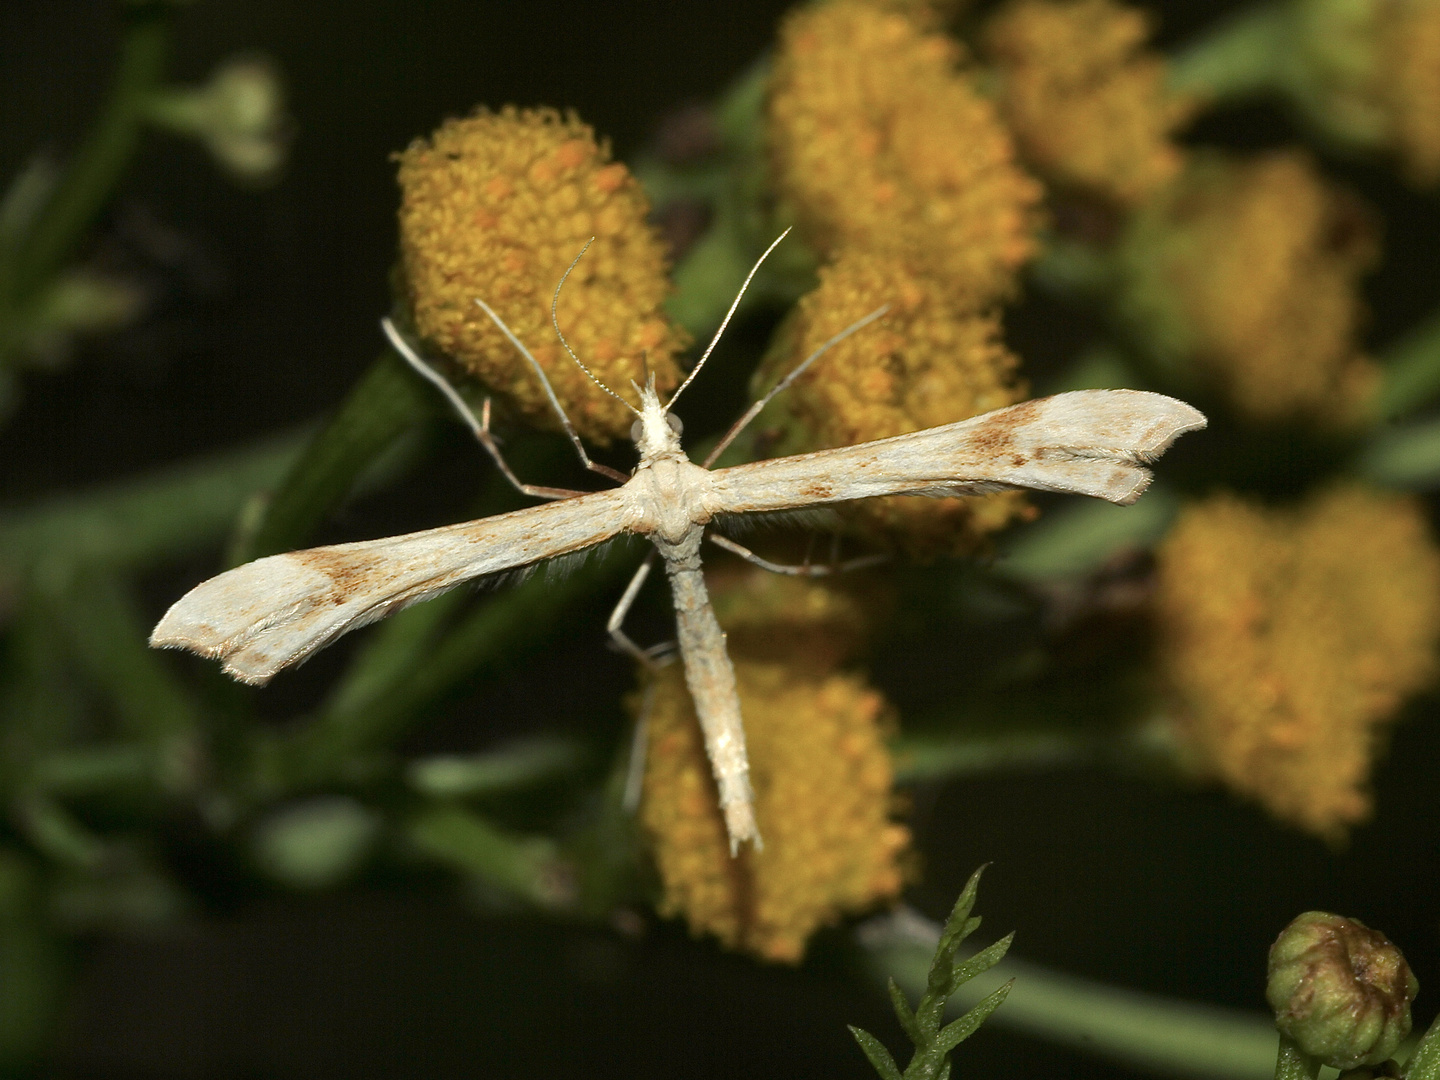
(904, 1013)
(953, 1034)
(877, 1054)
(957, 926)
(984, 960)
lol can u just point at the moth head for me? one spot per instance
(656, 432)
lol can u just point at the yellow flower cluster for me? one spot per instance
(1290, 637)
(819, 767)
(1087, 106)
(1245, 275)
(878, 141)
(495, 207)
(929, 361)
(1409, 64)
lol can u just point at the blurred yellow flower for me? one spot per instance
(1244, 276)
(1290, 637)
(1087, 105)
(1410, 83)
(930, 360)
(880, 141)
(820, 769)
(495, 207)
(1368, 73)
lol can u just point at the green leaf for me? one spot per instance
(1292, 1063)
(956, 1032)
(1424, 1063)
(1404, 456)
(959, 925)
(876, 1052)
(903, 1012)
(983, 961)
(529, 867)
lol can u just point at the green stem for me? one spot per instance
(32, 968)
(529, 867)
(387, 402)
(1239, 58)
(94, 768)
(144, 521)
(103, 157)
(511, 768)
(920, 757)
(1146, 1031)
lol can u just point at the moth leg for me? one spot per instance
(479, 428)
(805, 570)
(570, 432)
(639, 748)
(653, 658)
(755, 409)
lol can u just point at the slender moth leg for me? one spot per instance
(807, 570)
(639, 748)
(648, 658)
(479, 428)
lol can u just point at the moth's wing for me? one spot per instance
(1088, 442)
(267, 614)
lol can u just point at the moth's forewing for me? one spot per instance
(1088, 442)
(267, 614)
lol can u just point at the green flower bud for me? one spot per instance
(239, 115)
(1340, 990)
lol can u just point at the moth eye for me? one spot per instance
(636, 430)
(674, 421)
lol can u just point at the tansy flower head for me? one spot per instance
(879, 141)
(1087, 106)
(820, 771)
(928, 361)
(495, 207)
(1244, 275)
(1368, 73)
(1289, 638)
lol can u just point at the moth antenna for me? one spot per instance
(755, 409)
(726, 321)
(555, 322)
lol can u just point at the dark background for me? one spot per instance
(265, 312)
